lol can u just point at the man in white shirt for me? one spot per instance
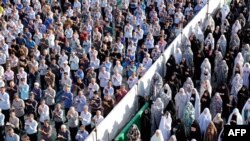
(132, 80)
(4, 102)
(147, 61)
(31, 127)
(74, 63)
(103, 77)
(108, 90)
(85, 118)
(97, 119)
(93, 86)
(116, 80)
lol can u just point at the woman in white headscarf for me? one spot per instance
(246, 53)
(188, 55)
(209, 41)
(236, 27)
(166, 125)
(178, 55)
(246, 72)
(204, 120)
(205, 85)
(205, 65)
(156, 113)
(198, 33)
(221, 72)
(224, 11)
(194, 98)
(235, 118)
(234, 41)
(206, 75)
(239, 59)
(222, 42)
(236, 85)
(216, 105)
(166, 95)
(156, 86)
(187, 84)
(246, 112)
(181, 99)
(157, 136)
(210, 22)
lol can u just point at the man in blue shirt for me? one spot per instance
(82, 134)
(67, 98)
(30, 44)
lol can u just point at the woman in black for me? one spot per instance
(179, 131)
(195, 131)
(224, 94)
(205, 100)
(242, 97)
(170, 65)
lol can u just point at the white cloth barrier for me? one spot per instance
(123, 112)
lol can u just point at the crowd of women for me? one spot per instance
(206, 85)
(65, 64)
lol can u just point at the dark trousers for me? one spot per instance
(58, 126)
(116, 88)
(33, 137)
(73, 132)
(51, 108)
(42, 81)
(6, 114)
(1, 133)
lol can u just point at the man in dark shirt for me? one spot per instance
(31, 106)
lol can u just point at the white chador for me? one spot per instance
(205, 85)
(224, 11)
(157, 136)
(156, 113)
(196, 102)
(246, 112)
(165, 126)
(181, 99)
(204, 120)
(210, 22)
(205, 65)
(246, 53)
(236, 27)
(236, 84)
(198, 33)
(178, 55)
(239, 119)
(166, 95)
(246, 72)
(188, 84)
(222, 42)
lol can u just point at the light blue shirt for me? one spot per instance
(24, 92)
(4, 101)
(30, 127)
(15, 137)
(81, 136)
(80, 102)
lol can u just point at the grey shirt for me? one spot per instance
(73, 119)
(18, 106)
(50, 97)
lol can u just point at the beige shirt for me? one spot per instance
(18, 107)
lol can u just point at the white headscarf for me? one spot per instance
(157, 136)
(224, 11)
(238, 115)
(222, 44)
(204, 119)
(239, 59)
(210, 40)
(206, 65)
(158, 104)
(236, 27)
(205, 85)
(246, 106)
(198, 33)
(246, 72)
(197, 103)
(172, 138)
(210, 21)
(165, 126)
(178, 55)
(236, 84)
(181, 99)
(207, 76)
(188, 83)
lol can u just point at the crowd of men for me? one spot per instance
(206, 85)
(66, 64)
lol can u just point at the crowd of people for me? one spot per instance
(206, 85)
(67, 63)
